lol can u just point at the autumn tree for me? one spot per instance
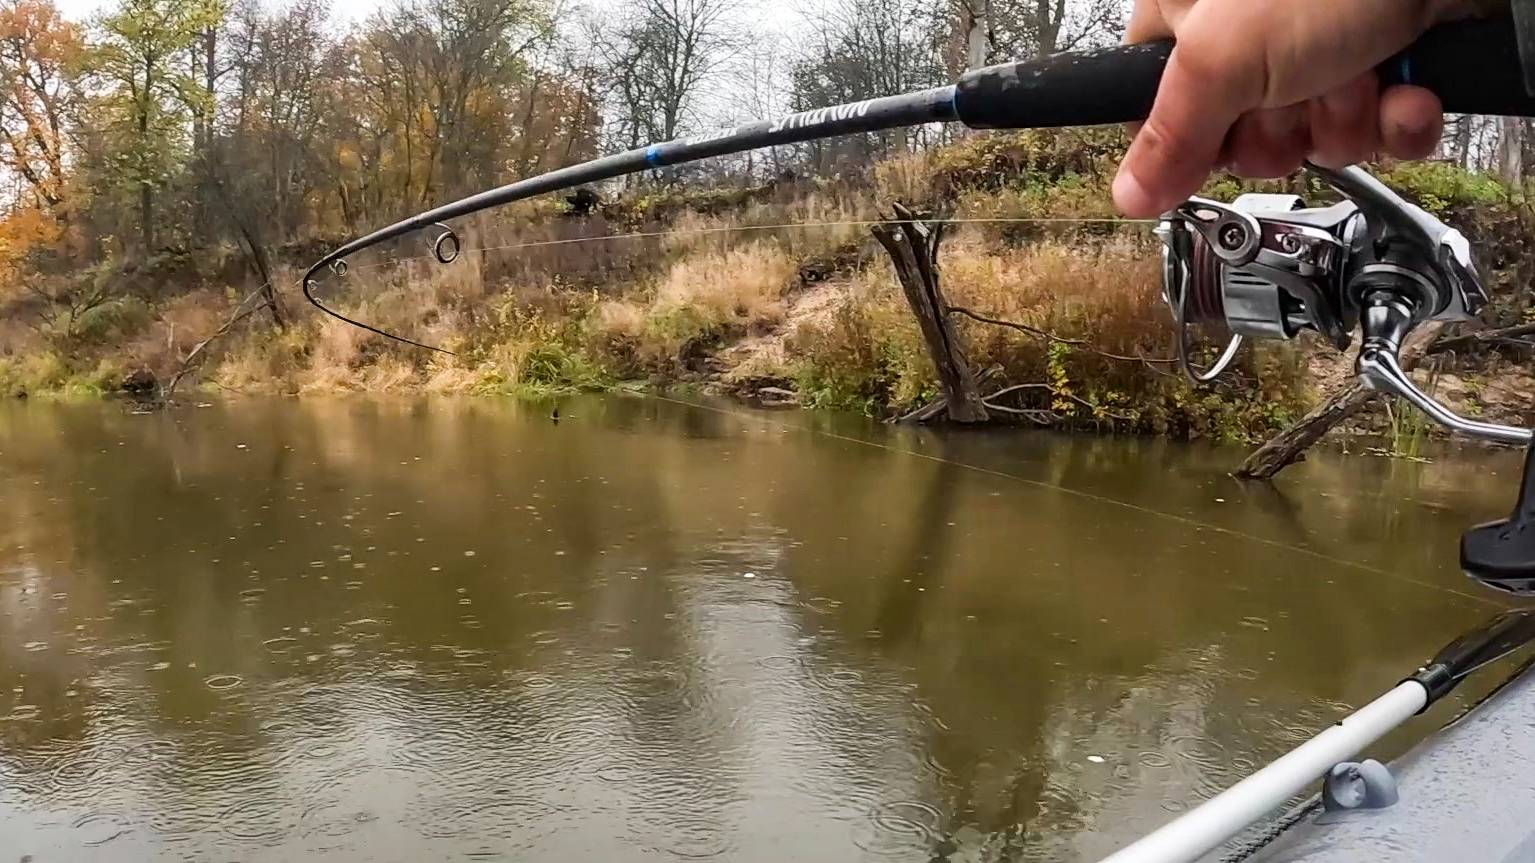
(141, 60)
(439, 86)
(39, 52)
(267, 158)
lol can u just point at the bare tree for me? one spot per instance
(990, 31)
(449, 74)
(864, 49)
(762, 87)
(660, 55)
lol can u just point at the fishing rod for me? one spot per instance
(1473, 66)
(1348, 785)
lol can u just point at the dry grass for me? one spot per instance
(1109, 295)
(742, 287)
(702, 298)
(1096, 298)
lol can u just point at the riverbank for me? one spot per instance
(775, 294)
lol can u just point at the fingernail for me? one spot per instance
(1132, 197)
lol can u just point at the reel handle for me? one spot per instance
(1474, 67)
(1387, 318)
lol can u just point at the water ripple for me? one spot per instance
(260, 819)
(221, 682)
(897, 829)
(99, 828)
(513, 819)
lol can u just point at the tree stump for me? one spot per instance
(913, 248)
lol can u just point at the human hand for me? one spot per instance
(1259, 86)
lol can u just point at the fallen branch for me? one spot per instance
(193, 360)
(1019, 388)
(931, 410)
(1052, 337)
(1503, 335)
(927, 413)
(1098, 410)
(1038, 417)
(1287, 447)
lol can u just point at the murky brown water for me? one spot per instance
(448, 630)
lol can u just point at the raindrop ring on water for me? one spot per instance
(220, 682)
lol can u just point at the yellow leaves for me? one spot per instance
(22, 230)
(38, 50)
(347, 156)
(37, 27)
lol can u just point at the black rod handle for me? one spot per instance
(1473, 66)
(1483, 646)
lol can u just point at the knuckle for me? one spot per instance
(1161, 142)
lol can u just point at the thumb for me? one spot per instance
(1180, 142)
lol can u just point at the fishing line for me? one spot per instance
(341, 267)
(1097, 498)
(446, 235)
(859, 223)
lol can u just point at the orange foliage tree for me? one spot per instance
(39, 53)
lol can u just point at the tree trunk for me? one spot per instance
(256, 251)
(205, 132)
(1287, 447)
(978, 33)
(268, 288)
(525, 159)
(913, 248)
(146, 188)
(1511, 151)
(1463, 140)
(147, 216)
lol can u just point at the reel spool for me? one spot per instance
(1264, 266)
(1191, 287)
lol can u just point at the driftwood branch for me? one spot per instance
(1287, 447)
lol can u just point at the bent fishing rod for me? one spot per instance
(1474, 67)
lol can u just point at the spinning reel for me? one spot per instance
(1267, 267)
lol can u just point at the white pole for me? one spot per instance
(1245, 803)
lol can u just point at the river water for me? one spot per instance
(442, 630)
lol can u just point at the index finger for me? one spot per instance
(1180, 142)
